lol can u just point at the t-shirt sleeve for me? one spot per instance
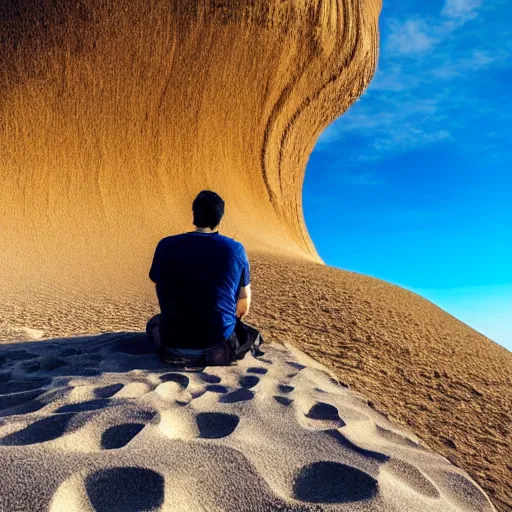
(154, 271)
(245, 279)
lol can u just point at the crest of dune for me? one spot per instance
(114, 115)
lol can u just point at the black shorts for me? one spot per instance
(243, 339)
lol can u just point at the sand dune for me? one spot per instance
(116, 114)
(113, 116)
(99, 423)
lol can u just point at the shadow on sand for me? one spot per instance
(82, 356)
(30, 369)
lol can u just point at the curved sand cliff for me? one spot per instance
(114, 115)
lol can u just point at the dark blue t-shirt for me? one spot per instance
(198, 278)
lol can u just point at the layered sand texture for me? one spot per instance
(113, 115)
(101, 424)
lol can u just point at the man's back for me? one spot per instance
(198, 277)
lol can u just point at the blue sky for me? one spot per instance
(413, 184)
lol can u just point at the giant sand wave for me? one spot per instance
(114, 115)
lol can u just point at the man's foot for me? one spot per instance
(255, 351)
(255, 347)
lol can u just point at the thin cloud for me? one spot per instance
(393, 78)
(410, 37)
(461, 9)
(461, 67)
(416, 35)
(400, 141)
(388, 126)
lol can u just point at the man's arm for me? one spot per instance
(244, 302)
(244, 295)
(154, 272)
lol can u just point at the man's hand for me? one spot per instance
(244, 302)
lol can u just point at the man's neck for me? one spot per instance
(206, 230)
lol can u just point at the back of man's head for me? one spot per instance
(208, 209)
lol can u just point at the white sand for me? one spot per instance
(99, 423)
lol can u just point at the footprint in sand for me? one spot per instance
(324, 411)
(339, 484)
(248, 381)
(211, 379)
(240, 395)
(91, 405)
(265, 361)
(41, 431)
(214, 425)
(217, 388)
(257, 370)
(180, 379)
(125, 489)
(295, 365)
(283, 400)
(120, 435)
(108, 391)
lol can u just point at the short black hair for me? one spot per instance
(208, 209)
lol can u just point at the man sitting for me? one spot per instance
(203, 287)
